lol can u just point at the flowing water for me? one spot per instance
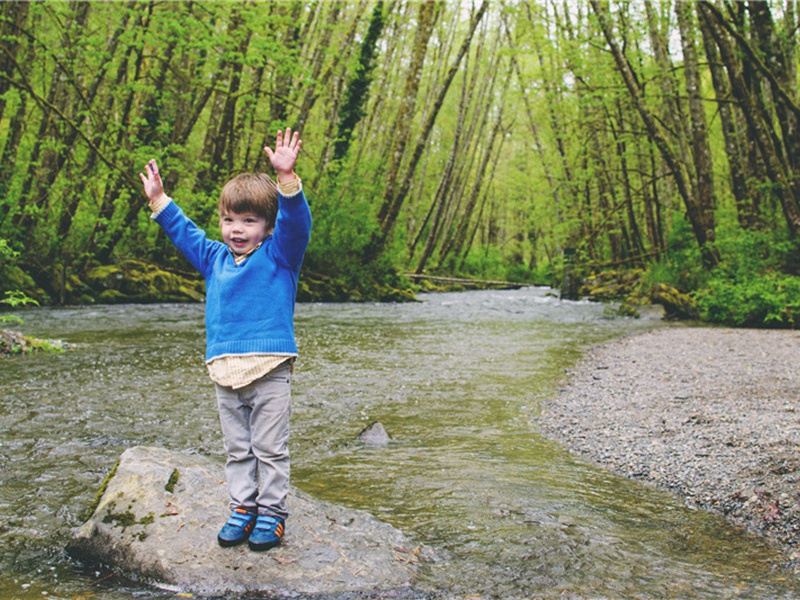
(457, 380)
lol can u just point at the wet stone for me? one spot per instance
(374, 435)
(168, 538)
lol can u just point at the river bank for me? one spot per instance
(710, 414)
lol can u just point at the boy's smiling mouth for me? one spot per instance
(239, 244)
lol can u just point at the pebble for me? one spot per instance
(706, 413)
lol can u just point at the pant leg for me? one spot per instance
(241, 464)
(269, 424)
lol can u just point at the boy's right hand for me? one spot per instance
(153, 186)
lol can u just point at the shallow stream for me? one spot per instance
(457, 380)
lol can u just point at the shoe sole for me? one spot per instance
(229, 543)
(263, 547)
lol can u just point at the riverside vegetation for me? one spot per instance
(641, 151)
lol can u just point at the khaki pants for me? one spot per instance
(255, 432)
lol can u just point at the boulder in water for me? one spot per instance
(158, 518)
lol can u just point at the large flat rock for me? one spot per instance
(158, 519)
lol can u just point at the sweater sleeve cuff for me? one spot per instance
(159, 204)
(292, 188)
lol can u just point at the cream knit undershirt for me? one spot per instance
(239, 370)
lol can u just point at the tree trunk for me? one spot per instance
(778, 52)
(758, 124)
(394, 198)
(404, 118)
(460, 236)
(672, 109)
(37, 185)
(357, 92)
(636, 245)
(703, 181)
(320, 78)
(746, 209)
(697, 220)
(13, 17)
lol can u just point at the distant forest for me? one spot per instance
(634, 149)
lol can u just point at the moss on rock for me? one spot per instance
(677, 305)
(139, 282)
(13, 343)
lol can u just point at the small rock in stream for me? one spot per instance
(374, 435)
(166, 538)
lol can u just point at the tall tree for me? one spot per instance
(703, 172)
(761, 127)
(395, 195)
(357, 93)
(698, 214)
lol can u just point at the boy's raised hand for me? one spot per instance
(284, 157)
(153, 186)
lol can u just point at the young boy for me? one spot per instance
(251, 284)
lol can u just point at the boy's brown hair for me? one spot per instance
(250, 192)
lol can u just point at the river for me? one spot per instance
(457, 380)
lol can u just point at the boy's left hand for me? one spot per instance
(284, 157)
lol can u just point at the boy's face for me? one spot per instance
(242, 232)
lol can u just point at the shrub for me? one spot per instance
(772, 300)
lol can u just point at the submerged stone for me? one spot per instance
(374, 435)
(158, 518)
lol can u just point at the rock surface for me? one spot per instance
(159, 515)
(708, 413)
(374, 435)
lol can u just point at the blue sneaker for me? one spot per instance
(238, 527)
(267, 533)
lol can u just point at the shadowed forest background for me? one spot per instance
(645, 151)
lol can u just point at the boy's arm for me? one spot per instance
(187, 237)
(293, 223)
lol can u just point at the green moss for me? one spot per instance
(126, 518)
(140, 282)
(13, 344)
(121, 519)
(102, 490)
(677, 305)
(172, 481)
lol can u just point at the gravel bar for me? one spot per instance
(708, 413)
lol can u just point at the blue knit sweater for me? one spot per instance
(250, 306)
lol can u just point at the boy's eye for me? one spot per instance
(249, 220)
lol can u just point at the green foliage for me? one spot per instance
(753, 286)
(682, 267)
(772, 300)
(201, 86)
(18, 298)
(483, 265)
(357, 91)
